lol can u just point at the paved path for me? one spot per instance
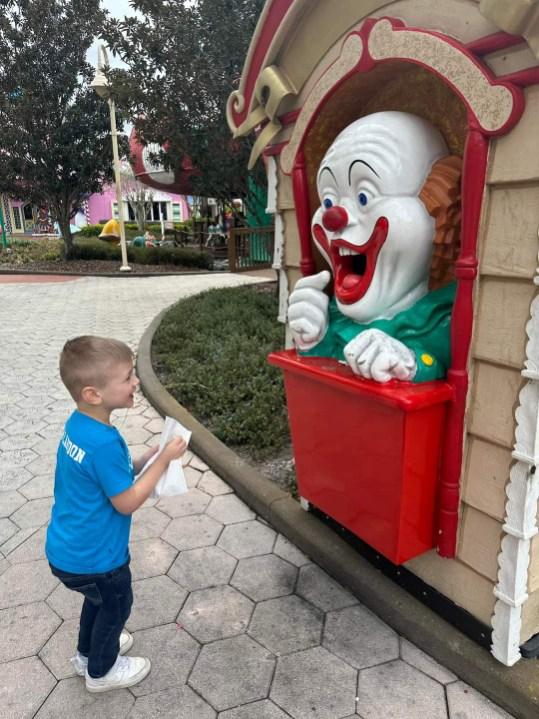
(20, 278)
(238, 623)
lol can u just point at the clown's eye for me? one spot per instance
(363, 199)
(328, 203)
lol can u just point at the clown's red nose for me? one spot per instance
(335, 218)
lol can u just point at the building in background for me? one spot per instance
(20, 217)
(102, 207)
(24, 218)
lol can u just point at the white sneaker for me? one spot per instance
(80, 662)
(125, 672)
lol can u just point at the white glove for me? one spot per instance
(375, 355)
(308, 310)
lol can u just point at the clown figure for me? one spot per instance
(385, 186)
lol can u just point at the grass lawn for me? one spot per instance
(210, 353)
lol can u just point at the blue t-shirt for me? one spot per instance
(86, 534)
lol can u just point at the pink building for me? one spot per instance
(23, 218)
(102, 207)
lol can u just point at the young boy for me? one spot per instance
(94, 497)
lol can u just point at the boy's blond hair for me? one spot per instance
(86, 360)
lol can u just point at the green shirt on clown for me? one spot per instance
(377, 236)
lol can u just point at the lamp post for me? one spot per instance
(2, 226)
(100, 84)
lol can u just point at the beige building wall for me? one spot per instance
(508, 262)
(504, 291)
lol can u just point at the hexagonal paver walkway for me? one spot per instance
(237, 622)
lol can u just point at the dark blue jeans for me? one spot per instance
(107, 604)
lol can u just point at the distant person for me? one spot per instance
(149, 239)
(212, 231)
(94, 497)
(138, 241)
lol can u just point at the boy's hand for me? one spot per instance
(140, 462)
(174, 449)
(148, 455)
(128, 501)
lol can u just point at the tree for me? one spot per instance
(139, 196)
(184, 60)
(54, 130)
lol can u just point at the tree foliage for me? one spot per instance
(184, 60)
(54, 130)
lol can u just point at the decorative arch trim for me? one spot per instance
(518, 17)
(269, 26)
(494, 106)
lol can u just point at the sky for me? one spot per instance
(118, 9)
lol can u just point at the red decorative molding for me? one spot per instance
(473, 184)
(289, 118)
(461, 50)
(523, 78)
(492, 43)
(300, 188)
(274, 149)
(391, 40)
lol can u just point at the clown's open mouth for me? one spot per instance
(359, 260)
(353, 266)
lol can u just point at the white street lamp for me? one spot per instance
(100, 84)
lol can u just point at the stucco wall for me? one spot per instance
(100, 207)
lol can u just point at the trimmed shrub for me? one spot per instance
(90, 231)
(95, 249)
(210, 353)
(132, 227)
(95, 230)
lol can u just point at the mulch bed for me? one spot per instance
(96, 267)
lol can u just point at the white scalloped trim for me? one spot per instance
(520, 525)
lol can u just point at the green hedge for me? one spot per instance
(132, 227)
(95, 249)
(210, 353)
(170, 256)
(89, 231)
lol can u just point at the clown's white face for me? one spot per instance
(371, 226)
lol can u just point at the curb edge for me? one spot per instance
(516, 688)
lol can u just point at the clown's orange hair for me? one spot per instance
(441, 196)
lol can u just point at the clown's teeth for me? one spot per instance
(346, 251)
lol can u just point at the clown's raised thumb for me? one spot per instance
(317, 282)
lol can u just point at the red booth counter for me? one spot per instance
(367, 454)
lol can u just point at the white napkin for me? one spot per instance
(172, 481)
